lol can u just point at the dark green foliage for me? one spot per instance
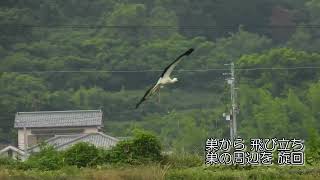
(143, 147)
(313, 147)
(6, 162)
(47, 159)
(81, 155)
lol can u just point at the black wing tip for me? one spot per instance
(137, 105)
(189, 52)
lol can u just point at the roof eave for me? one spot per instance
(35, 127)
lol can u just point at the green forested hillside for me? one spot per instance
(120, 46)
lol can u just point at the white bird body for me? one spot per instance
(165, 77)
(163, 81)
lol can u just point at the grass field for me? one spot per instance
(166, 172)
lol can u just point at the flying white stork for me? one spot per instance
(164, 78)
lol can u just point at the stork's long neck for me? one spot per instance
(173, 80)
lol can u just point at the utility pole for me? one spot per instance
(233, 100)
(232, 117)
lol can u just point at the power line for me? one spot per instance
(279, 68)
(95, 26)
(114, 71)
(157, 70)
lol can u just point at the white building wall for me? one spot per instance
(89, 130)
(21, 135)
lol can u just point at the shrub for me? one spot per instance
(146, 145)
(143, 147)
(121, 153)
(81, 155)
(102, 158)
(6, 161)
(47, 159)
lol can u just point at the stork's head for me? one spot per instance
(174, 80)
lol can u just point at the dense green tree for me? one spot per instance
(274, 80)
(300, 116)
(19, 93)
(267, 119)
(306, 38)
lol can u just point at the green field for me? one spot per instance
(167, 172)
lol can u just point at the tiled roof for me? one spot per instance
(56, 141)
(98, 139)
(61, 139)
(13, 149)
(62, 142)
(75, 118)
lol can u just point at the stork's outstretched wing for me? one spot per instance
(168, 70)
(148, 93)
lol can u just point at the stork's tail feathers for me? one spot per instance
(137, 105)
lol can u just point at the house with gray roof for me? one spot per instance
(36, 127)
